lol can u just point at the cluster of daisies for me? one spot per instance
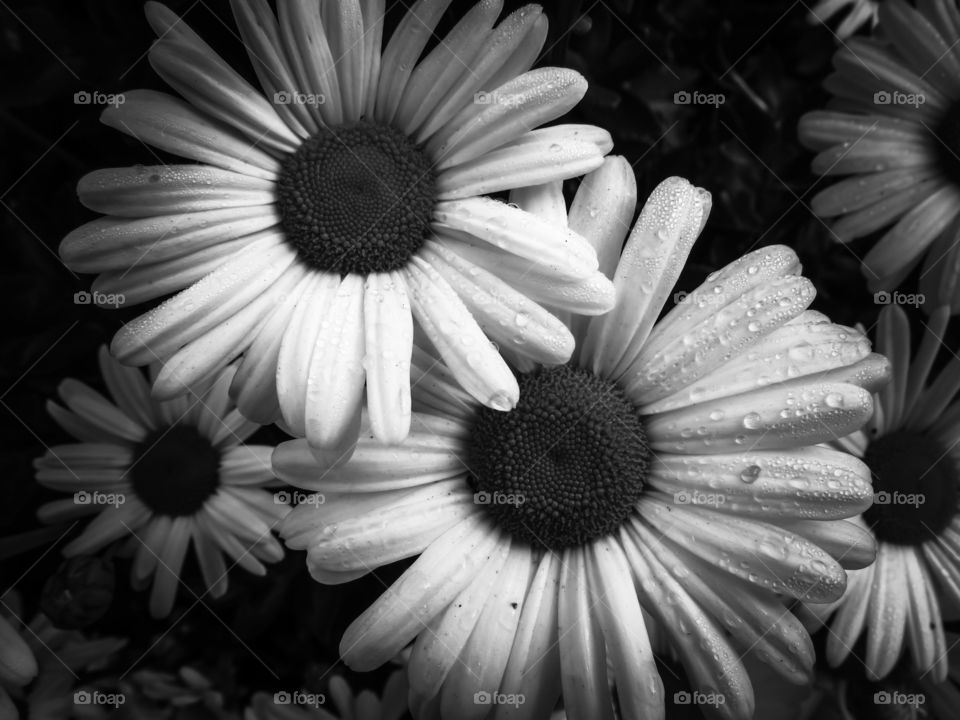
(586, 475)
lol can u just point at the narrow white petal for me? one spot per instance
(388, 328)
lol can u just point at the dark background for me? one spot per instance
(764, 56)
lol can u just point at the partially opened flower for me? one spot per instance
(344, 205)
(670, 471)
(910, 447)
(168, 473)
(341, 703)
(894, 132)
(855, 14)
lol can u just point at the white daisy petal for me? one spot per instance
(167, 578)
(625, 633)
(518, 164)
(849, 543)
(655, 253)
(714, 667)
(213, 87)
(157, 190)
(465, 349)
(402, 52)
(246, 465)
(525, 55)
(887, 612)
(212, 566)
(255, 384)
(775, 417)
(343, 22)
(394, 532)
(204, 304)
(388, 327)
(756, 620)
(128, 388)
(506, 316)
(374, 12)
(533, 669)
(435, 652)
(773, 558)
(583, 658)
(265, 47)
(556, 250)
(94, 408)
(593, 295)
(297, 346)
(311, 59)
(485, 654)
(117, 243)
(544, 200)
(813, 482)
(519, 105)
(337, 375)
(436, 74)
(924, 623)
(112, 523)
(170, 124)
(420, 594)
(849, 621)
(493, 55)
(790, 352)
(199, 359)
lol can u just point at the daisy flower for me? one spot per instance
(668, 472)
(391, 704)
(893, 133)
(166, 473)
(910, 447)
(347, 203)
(857, 14)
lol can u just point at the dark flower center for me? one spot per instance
(946, 143)
(566, 465)
(356, 199)
(914, 485)
(175, 471)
